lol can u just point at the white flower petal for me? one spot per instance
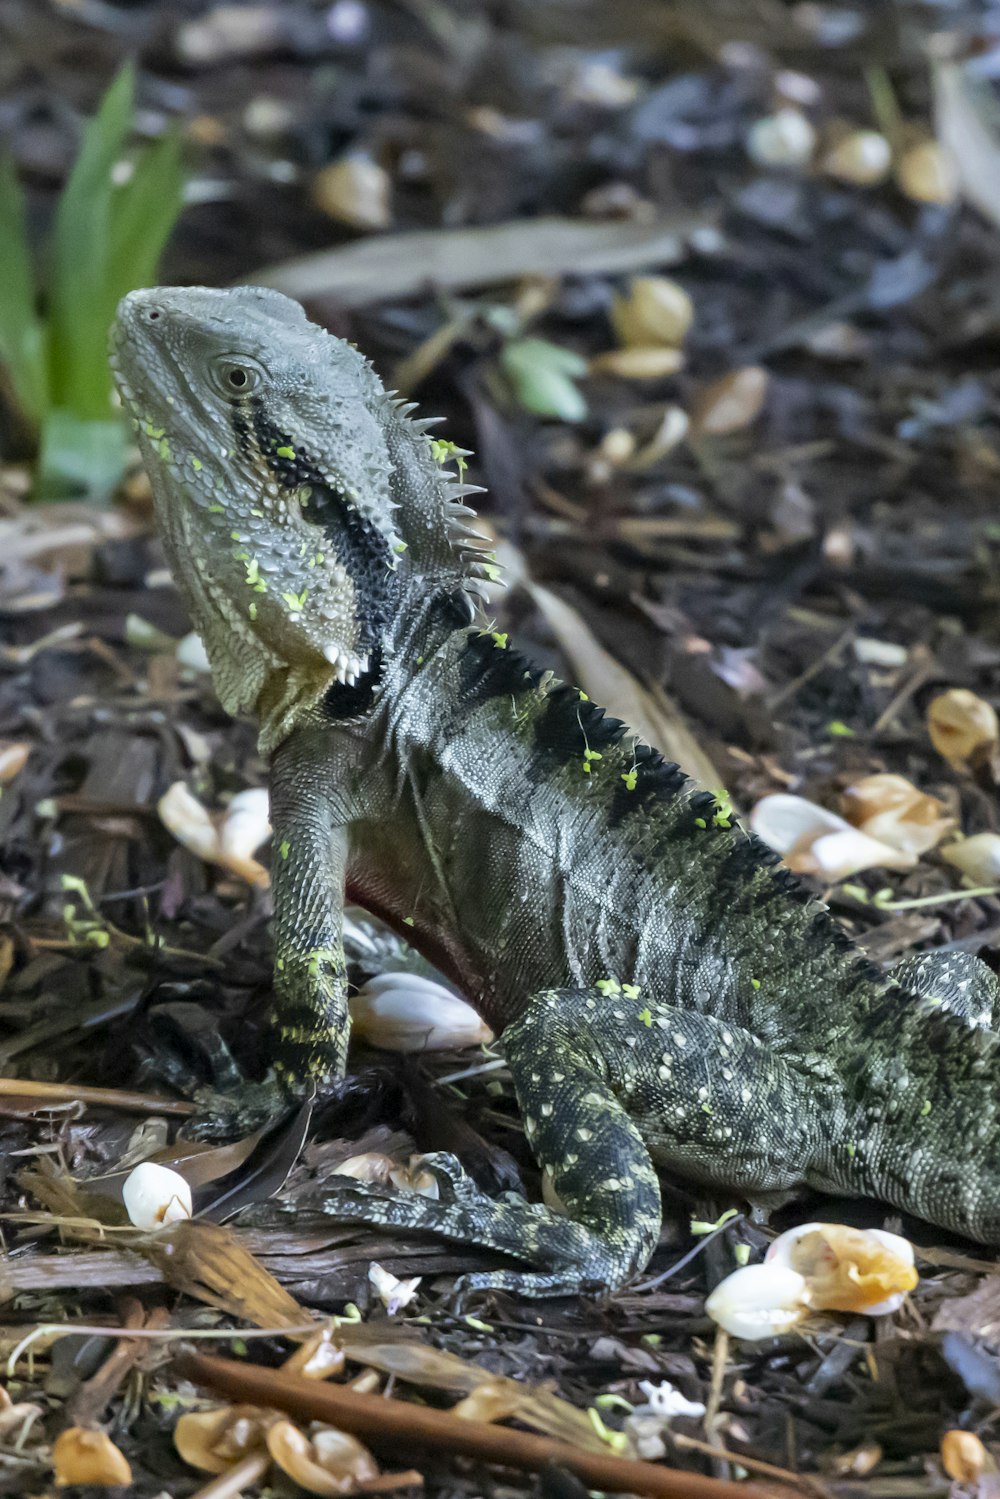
(393, 1293)
(405, 1012)
(838, 1262)
(191, 653)
(759, 1301)
(785, 821)
(155, 1196)
(665, 1400)
(835, 856)
(892, 810)
(246, 825)
(183, 815)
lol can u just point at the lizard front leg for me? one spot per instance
(310, 1021)
(309, 1024)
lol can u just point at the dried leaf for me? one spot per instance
(354, 191)
(967, 121)
(731, 404)
(962, 726)
(207, 1261)
(892, 810)
(82, 1456)
(419, 1365)
(654, 311)
(331, 1463)
(395, 266)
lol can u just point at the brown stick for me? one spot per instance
(397, 1422)
(110, 1098)
(88, 1405)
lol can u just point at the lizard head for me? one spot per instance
(262, 437)
(295, 497)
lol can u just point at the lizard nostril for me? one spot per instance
(152, 314)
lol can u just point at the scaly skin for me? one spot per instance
(666, 992)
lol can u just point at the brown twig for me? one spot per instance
(397, 1422)
(108, 1098)
(767, 1470)
(88, 1404)
(242, 1475)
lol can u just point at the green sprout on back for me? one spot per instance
(111, 223)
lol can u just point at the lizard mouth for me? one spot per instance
(347, 668)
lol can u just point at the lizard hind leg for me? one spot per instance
(598, 1074)
(594, 1152)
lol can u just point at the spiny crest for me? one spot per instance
(467, 550)
(570, 730)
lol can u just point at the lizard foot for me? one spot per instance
(239, 1111)
(570, 1257)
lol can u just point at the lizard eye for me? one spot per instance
(236, 377)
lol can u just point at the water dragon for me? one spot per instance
(667, 993)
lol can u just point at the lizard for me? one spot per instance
(667, 992)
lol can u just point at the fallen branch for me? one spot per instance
(399, 1423)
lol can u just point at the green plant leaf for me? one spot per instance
(21, 337)
(540, 374)
(80, 454)
(107, 239)
(143, 212)
(540, 353)
(79, 312)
